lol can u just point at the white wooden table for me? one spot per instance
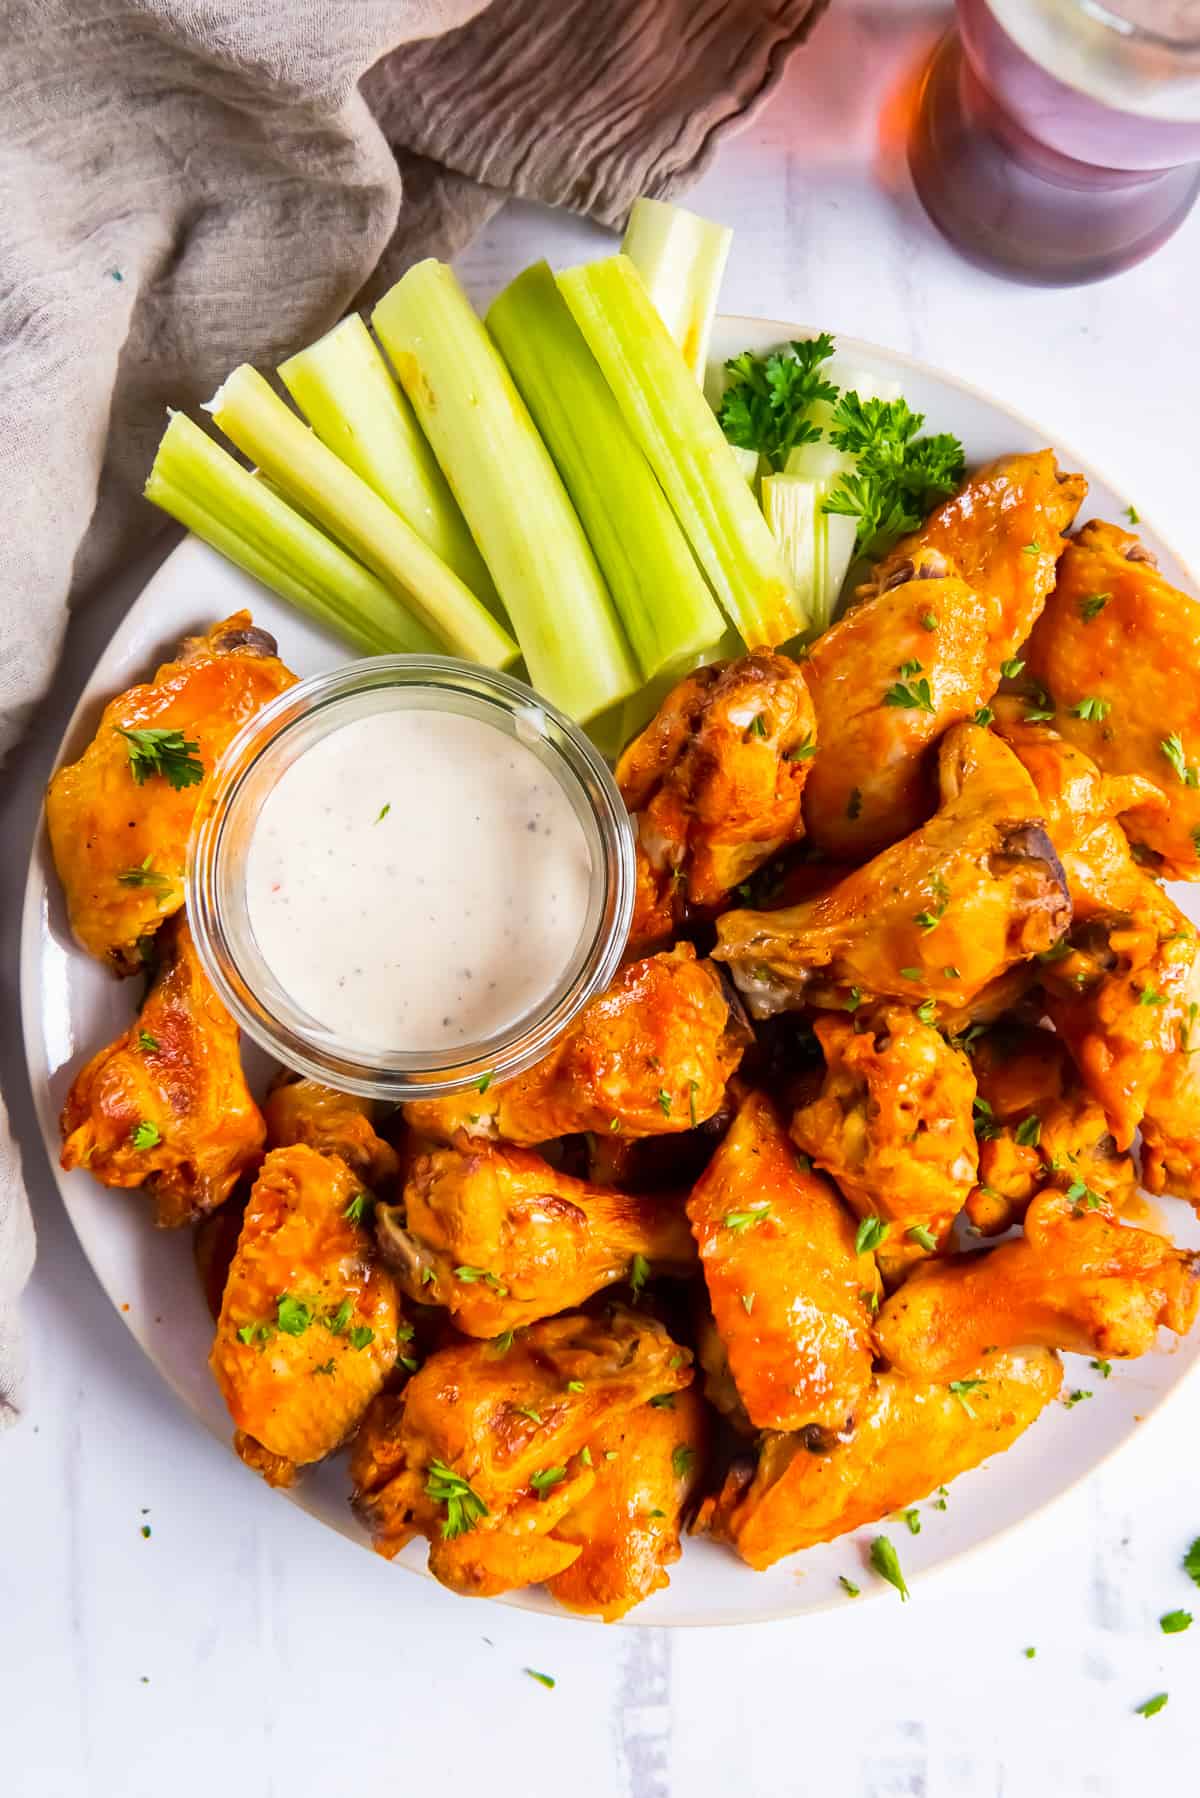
(241, 1649)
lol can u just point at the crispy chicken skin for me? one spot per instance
(1171, 1126)
(872, 781)
(510, 1426)
(334, 1123)
(650, 1056)
(500, 1238)
(308, 1330)
(1136, 654)
(166, 1106)
(911, 1437)
(1037, 1125)
(937, 916)
(893, 1122)
(647, 1464)
(120, 848)
(1075, 1280)
(1003, 531)
(714, 785)
(784, 1282)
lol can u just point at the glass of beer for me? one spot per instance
(1058, 141)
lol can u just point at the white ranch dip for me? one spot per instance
(417, 880)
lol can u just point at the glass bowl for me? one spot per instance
(255, 760)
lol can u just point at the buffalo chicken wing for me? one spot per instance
(335, 1123)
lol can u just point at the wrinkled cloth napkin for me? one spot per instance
(189, 184)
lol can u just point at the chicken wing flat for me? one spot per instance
(166, 1106)
(119, 818)
(1003, 532)
(308, 1329)
(893, 1124)
(483, 1450)
(647, 1464)
(912, 1436)
(1075, 1280)
(500, 1238)
(785, 1284)
(1171, 1125)
(714, 785)
(887, 680)
(332, 1122)
(1037, 1124)
(650, 1056)
(1116, 653)
(935, 917)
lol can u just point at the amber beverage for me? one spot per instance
(1058, 141)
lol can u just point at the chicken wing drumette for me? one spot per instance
(487, 1450)
(647, 1464)
(309, 1327)
(1075, 1280)
(119, 818)
(935, 917)
(650, 1056)
(500, 1238)
(166, 1106)
(1115, 651)
(911, 1437)
(789, 1293)
(714, 785)
(334, 1123)
(893, 1125)
(924, 648)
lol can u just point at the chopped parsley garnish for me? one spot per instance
(529, 1412)
(325, 1367)
(848, 1586)
(1040, 706)
(693, 1089)
(758, 726)
(912, 1517)
(664, 1101)
(683, 1460)
(854, 998)
(1011, 668)
(915, 695)
(886, 1563)
(663, 1401)
(870, 1233)
(907, 668)
(930, 919)
(1093, 605)
(259, 1332)
(1103, 1368)
(1153, 1705)
(960, 1389)
(165, 752)
(292, 1315)
(1150, 995)
(747, 1302)
(503, 1342)
(145, 1135)
(547, 1479)
(746, 1220)
(1172, 748)
(146, 1532)
(470, 1276)
(942, 1501)
(1191, 1562)
(984, 715)
(543, 1679)
(1032, 548)
(484, 1083)
(1029, 1132)
(639, 1273)
(1075, 1398)
(357, 1206)
(1083, 1198)
(1133, 515)
(927, 1011)
(765, 407)
(1173, 1623)
(919, 1234)
(147, 1043)
(144, 876)
(899, 476)
(464, 1507)
(950, 972)
(585, 1455)
(1092, 709)
(335, 1321)
(912, 973)
(383, 813)
(1030, 1653)
(803, 752)
(575, 1386)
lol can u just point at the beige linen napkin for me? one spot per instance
(188, 184)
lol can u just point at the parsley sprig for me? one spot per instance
(900, 476)
(162, 752)
(464, 1507)
(768, 399)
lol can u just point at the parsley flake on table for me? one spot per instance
(870, 1233)
(145, 1135)
(543, 1679)
(1152, 1706)
(1173, 1623)
(1075, 1398)
(1103, 1368)
(1191, 1562)
(464, 1507)
(1030, 1653)
(912, 1517)
(162, 752)
(899, 476)
(146, 1532)
(848, 1586)
(886, 1563)
(1133, 515)
(384, 812)
(767, 399)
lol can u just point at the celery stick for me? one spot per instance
(345, 389)
(686, 448)
(681, 258)
(791, 508)
(304, 470)
(747, 461)
(201, 485)
(509, 490)
(659, 592)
